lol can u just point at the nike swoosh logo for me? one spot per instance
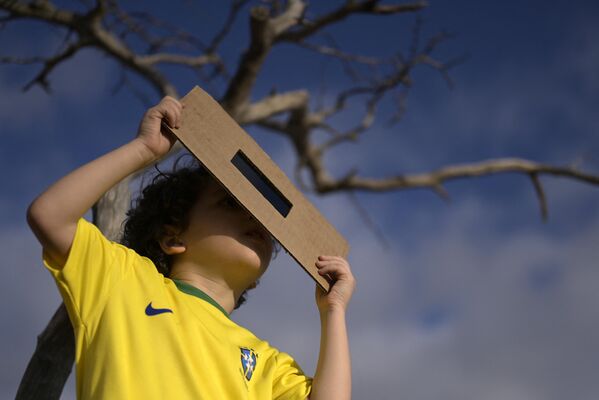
(155, 311)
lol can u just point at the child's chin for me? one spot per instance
(253, 260)
(240, 256)
(256, 255)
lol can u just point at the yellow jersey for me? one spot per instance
(140, 335)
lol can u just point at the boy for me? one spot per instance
(142, 335)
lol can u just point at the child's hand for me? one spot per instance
(342, 287)
(149, 132)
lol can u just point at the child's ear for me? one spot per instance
(171, 243)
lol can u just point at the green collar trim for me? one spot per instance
(194, 291)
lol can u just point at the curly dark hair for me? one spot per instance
(166, 200)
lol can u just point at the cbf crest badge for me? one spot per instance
(249, 358)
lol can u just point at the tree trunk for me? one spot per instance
(52, 361)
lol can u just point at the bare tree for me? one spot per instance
(105, 25)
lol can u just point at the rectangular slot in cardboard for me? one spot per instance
(261, 183)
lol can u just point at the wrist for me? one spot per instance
(332, 310)
(145, 154)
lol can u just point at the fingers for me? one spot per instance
(342, 286)
(170, 109)
(336, 267)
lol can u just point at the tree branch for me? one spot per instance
(540, 195)
(263, 31)
(436, 178)
(339, 54)
(350, 7)
(236, 6)
(51, 63)
(271, 106)
(165, 58)
(139, 23)
(243, 80)
(43, 10)
(353, 134)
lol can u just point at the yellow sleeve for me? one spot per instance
(290, 382)
(94, 267)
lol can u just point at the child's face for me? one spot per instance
(223, 238)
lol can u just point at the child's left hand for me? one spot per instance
(342, 287)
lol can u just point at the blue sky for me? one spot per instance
(472, 299)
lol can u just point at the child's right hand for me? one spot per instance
(159, 142)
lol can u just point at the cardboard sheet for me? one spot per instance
(255, 180)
